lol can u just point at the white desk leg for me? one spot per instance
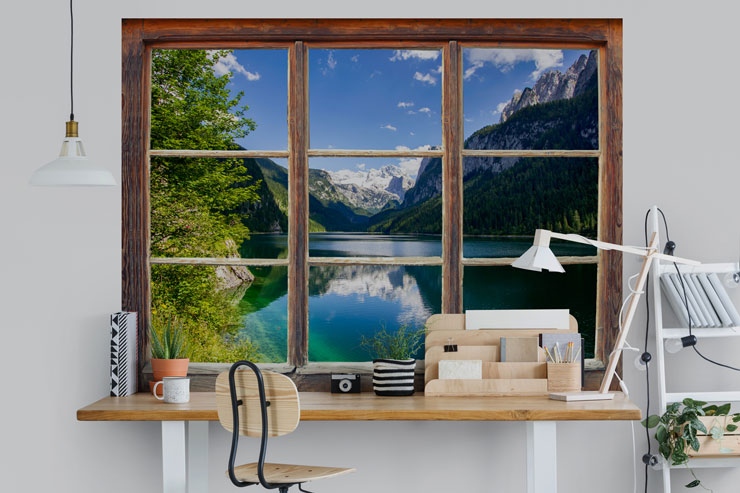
(542, 466)
(197, 456)
(173, 457)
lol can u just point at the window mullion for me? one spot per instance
(452, 128)
(298, 205)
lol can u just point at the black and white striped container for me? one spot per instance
(393, 376)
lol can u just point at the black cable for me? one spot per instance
(647, 371)
(71, 62)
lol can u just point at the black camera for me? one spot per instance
(345, 383)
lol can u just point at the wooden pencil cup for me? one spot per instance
(563, 377)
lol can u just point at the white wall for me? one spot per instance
(60, 249)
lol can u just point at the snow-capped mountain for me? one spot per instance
(372, 189)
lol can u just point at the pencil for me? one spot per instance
(557, 352)
(577, 354)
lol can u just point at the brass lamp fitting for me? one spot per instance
(71, 127)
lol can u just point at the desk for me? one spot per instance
(185, 468)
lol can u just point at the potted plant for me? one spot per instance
(394, 364)
(677, 429)
(169, 352)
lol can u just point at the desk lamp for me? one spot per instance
(540, 257)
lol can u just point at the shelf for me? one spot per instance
(709, 462)
(701, 333)
(732, 396)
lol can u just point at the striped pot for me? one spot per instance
(393, 376)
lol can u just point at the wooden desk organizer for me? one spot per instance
(499, 378)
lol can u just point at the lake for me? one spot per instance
(348, 301)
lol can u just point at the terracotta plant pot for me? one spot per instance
(168, 368)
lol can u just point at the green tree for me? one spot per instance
(195, 201)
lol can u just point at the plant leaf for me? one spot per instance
(651, 421)
(725, 450)
(693, 484)
(731, 427)
(695, 444)
(723, 409)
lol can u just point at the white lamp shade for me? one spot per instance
(538, 258)
(72, 168)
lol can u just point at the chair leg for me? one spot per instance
(283, 489)
(300, 488)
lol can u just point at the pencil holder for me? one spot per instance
(563, 377)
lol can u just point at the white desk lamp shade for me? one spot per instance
(538, 258)
(72, 168)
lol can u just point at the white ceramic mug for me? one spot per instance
(176, 390)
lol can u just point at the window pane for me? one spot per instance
(219, 99)
(347, 302)
(372, 207)
(206, 207)
(500, 288)
(507, 199)
(530, 98)
(375, 99)
(228, 313)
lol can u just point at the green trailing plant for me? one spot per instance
(677, 428)
(401, 344)
(170, 343)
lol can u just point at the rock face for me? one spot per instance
(553, 85)
(232, 277)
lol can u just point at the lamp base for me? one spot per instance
(581, 396)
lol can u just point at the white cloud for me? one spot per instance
(229, 64)
(355, 58)
(418, 54)
(405, 104)
(439, 69)
(388, 126)
(504, 59)
(412, 133)
(425, 110)
(468, 119)
(331, 62)
(427, 78)
(499, 108)
(411, 112)
(360, 166)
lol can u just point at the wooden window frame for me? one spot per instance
(140, 36)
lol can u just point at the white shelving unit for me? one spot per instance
(663, 333)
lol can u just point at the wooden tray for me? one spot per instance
(494, 387)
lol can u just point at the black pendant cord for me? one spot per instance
(71, 62)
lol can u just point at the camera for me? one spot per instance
(345, 383)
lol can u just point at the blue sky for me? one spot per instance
(380, 99)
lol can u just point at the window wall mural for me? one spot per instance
(380, 206)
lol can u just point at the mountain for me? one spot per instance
(371, 190)
(553, 85)
(329, 209)
(502, 195)
(566, 123)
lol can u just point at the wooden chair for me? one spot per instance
(262, 405)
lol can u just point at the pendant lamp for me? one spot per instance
(72, 167)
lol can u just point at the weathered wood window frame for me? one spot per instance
(140, 36)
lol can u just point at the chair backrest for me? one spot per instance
(283, 410)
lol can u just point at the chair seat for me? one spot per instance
(287, 473)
